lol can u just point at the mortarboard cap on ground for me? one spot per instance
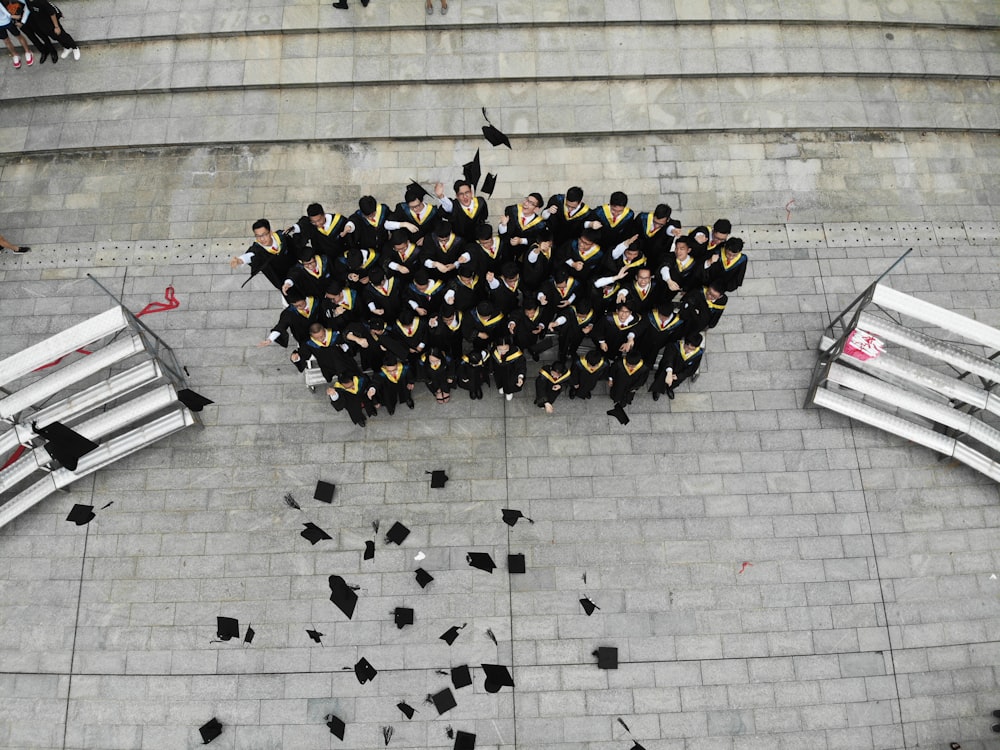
(226, 628)
(607, 657)
(481, 560)
(397, 533)
(423, 577)
(324, 491)
(64, 445)
(511, 516)
(619, 413)
(465, 740)
(472, 171)
(210, 731)
(314, 533)
(489, 184)
(444, 701)
(369, 550)
(636, 746)
(343, 596)
(451, 634)
(315, 635)
(588, 606)
(81, 515)
(192, 399)
(248, 637)
(402, 616)
(438, 478)
(336, 725)
(497, 676)
(364, 671)
(406, 708)
(515, 563)
(461, 676)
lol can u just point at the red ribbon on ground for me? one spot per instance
(172, 303)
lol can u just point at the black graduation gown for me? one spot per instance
(528, 332)
(429, 299)
(615, 334)
(332, 359)
(565, 227)
(297, 323)
(491, 259)
(592, 260)
(447, 336)
(521, 227)
(508, 371)
(482, 332)
(471, 375)
(387, 298)
(440, 378)
(625, 383)
(576, 328)
(729, 275)
(425, 224)
(370, 235)
(448, 254)
(323, 243)
(641, 302)
(700, 312)
(583, 379)
(548, 386)
(464, 222)
(352, 397)
(614, 232)
(674, 359)
(311, 284)
(685, 275)
(411, 259)
(393, 388)
(654, 242)
(464, 297)
(341, 314)
(534, 273)
(273, 263)
(661, 331)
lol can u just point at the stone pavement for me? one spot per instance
(866, 615)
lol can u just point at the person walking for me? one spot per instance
(47, 18)
(9, 28)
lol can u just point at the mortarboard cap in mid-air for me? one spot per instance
(461, 676)
(324, 491)
(438, 478)
(248, 637)
(515, 563)
(511, 516)
(423, 577)
(481, 560)
(364, 671)
(336, 725)
(343, 596)
(607, 657)
(636, 746)
(226, 628)
(451, 634)
(313, 533)
(489, 184)
(210, 731)
(192, 399)
(81, 515)
(397, 533)
(406, 708)
(588, 606)
(402, 616)
(315, 635)
(619, 413)
(465, 740)
(497, 676)
(369, 550)
(444, 701)
(492, 134)
(64, 445)
(472, 171)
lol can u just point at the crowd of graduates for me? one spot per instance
(433, 294)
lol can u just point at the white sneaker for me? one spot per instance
(76, 53)
(509, 397)
(65, 53)
(500, 390)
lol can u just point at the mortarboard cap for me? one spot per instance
(416, 187)
(511, 516)
(515, 563)
(406, 708)
(387, 734)
(343, 596)
(465, 740)
(324, 491)
(81, 515)
(291, 502)
(364, 671)
(226, 628)
(438, 478)
(315, 635)
(619, 413)
(248, 638)
(314, 533)
(402, 616)
(64, 445)
(636, 746)
(489, 184)
(588, 606)
(495, 136)
(472, 171)
(481, 560)
(369, 550)
(336, 725)
(443, 701)
(607, 657)
(193, 400)
(497, 676)
(451, 634)
(423, 577)
(397, 533)
(461, 676)
(210, 731)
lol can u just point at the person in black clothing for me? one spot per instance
(372, 223)
(586, 372)
(272, 254)
(311, 275)
(566, 215)
(680, 361)
(353, 394)
(508, 367)
(727, 269)
(438, 374)
(626, 376)
(322, 231)
(382, 295)
(466, 212)
(300, 314)
(394, 384)
(549, 384)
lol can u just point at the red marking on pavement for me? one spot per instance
(172, 303)
(744, 566)
(788, 210)
(14, 456)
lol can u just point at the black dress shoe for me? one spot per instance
(364, 3)
(670, 393)
(656, 395)
(43, 58)
(409, 403)
(342, 4)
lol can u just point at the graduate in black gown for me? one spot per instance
(301, 313)
(551, 381)
(272, 254)
(330, 351)
(507, 363)
(353, 394)
(625, 377)
(439, 375)
(680, 361)
(471, 373)
(394, 384)
(586, 372)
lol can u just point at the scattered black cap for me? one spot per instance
(314, 533)
(444, 701)
(481, 560)
(438, 478)
(226, 628)
(423, 577)
(343, 596)
(588, 606)
(324, 491)
(492, 134)
(416, 187)
(193, 400)
(397, 533)
(336, 725)
(515, 563)
(291, 502)
(387, 734)
(465, 740)
(369, 550)
(402, 616)
(636, 746)
(248, 637)
(406, 708)
(497, 676)
(607, 657)
(511, 516)
(210, 731)
(472, 171)
(619, 413)
(315, 635)
(81, 515)
(461, 676)
(65, 445)
(489, 184)
(364, 671)
(451, 634)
